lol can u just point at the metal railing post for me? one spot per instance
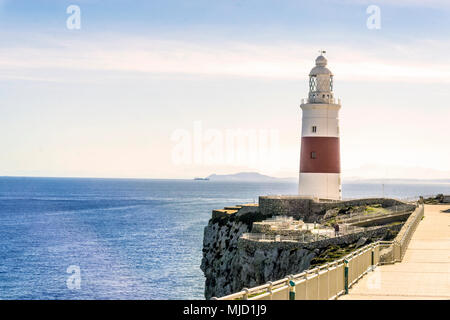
(328, 280)
(318, 283)
(306, 284)
(346, 276)
(373, 259)
(291, 285)
(269, 289)
(245, 296)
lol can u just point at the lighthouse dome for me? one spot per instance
(320, 67)
(321, 61)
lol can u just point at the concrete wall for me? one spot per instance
(295, 206)
(311, 210)
(383, 220)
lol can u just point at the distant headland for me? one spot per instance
(258, 177)
(247, 177)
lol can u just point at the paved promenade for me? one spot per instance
(424, 271)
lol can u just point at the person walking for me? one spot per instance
(336, 230)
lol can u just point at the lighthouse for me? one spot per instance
(320, 166)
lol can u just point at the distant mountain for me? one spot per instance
(247, 176)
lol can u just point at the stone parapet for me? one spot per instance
(312, 209)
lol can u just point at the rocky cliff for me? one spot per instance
(220, 263)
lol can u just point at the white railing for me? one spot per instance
(280, 238)
(331, 280)
(330, 100)
(401, 241)
(321, 283)
(315, 235)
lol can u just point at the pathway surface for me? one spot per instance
(424, 271)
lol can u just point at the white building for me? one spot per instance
(320, 168)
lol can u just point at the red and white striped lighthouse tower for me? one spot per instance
(320, 167)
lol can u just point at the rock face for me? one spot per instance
(220, 244)
(257, 265)
(231, 264)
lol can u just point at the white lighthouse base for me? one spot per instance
(320, 185)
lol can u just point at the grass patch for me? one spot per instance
(331, 254)
(375, 209)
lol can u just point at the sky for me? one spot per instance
(180, 89)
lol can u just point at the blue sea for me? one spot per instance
(130, 238)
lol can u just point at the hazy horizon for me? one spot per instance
(291, 179)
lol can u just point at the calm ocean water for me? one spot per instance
(132, 239)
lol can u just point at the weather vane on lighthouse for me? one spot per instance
(322, 52)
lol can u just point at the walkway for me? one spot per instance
(424, 271)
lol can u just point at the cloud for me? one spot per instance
(418, 61)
